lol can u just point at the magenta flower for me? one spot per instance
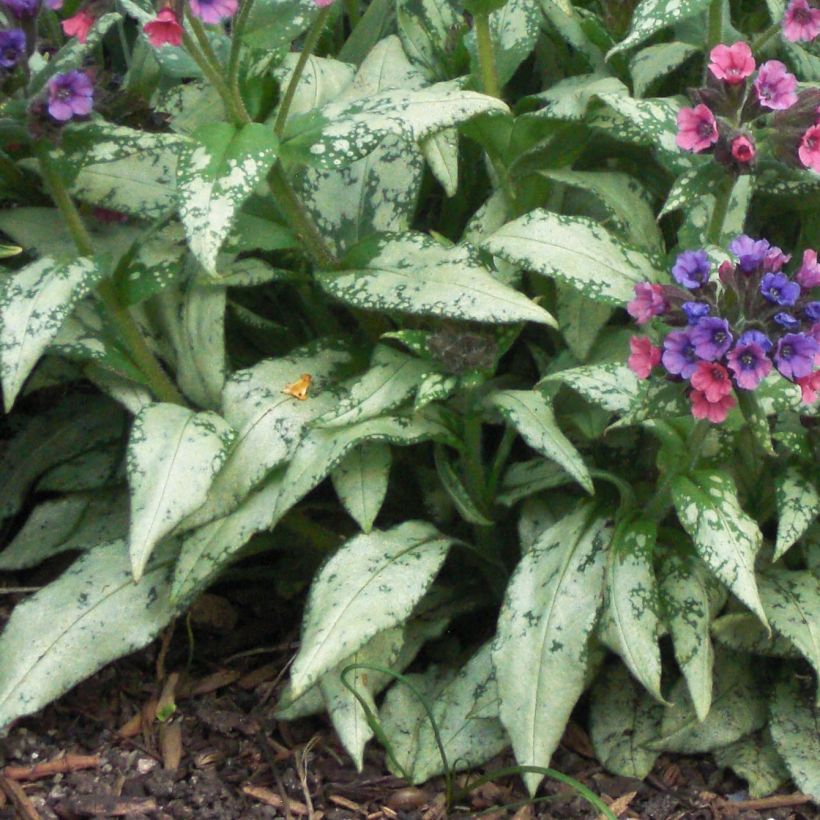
(774, 259)
(732, 64)
(809, 148)
(795, 354)
(779, 289)
(715, 412)
(809, 274)
(749, 364)
(12, 47)
(691, 269)
(679, 356)
(809, 387)
(775, 87)
(214, 11)
(711, 338)
(70, 95)
(644, 356)
(164, 29)
(79, 25)
(697, 129)
(801, 22)
(711, 379)
(22, 9)
(649, 301)
(743, 149)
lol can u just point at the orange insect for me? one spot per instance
(299, 388)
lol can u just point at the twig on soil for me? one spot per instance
(19, 799)
(776, 801)
(287, 804)
(270, 759)
(59, 765)
(301, 761)
(163, 650)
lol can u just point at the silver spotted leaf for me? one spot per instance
(549, 611)
(756, 760)
(743, 632)
(653, 62)
(526, 478)
(651, 16)
(613, 387)
(360, 482)
(798, 505)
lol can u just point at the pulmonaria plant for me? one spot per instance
(726, 330)
(744, 108)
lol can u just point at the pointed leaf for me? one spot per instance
(611, 386)
(743, 632)
(755, 759)
(526, 478)
(653, 15)
(798, 505)
(360, 482)
(652, 63)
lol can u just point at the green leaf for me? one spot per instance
(622, 719)
(575, 250)
(580, 319)
(568, 99)
(274, 24)
(725, 537)
(425, 27)
(34, 303)
(323, 80)
(798, 505)
(413, 273)
(795, 728)
(548, 614)
(742, 632)
(441, 153)
(567, 22)
(435, 387)
(652, 63)
(371, 584)
(689, 597)
(361, 480)
(691, 187)
(629, 622)
(91, 615)
(215, 177)
(173, 456)
(738, 707)
(650, 16)
(531, 414)
(526, 478)
(792, 602)
(74, 522)
(457, 491)
(613, 387)
(755, 759)
(157, 263)
(756, 420)
(466, 713)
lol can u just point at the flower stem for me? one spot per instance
(299, 219)
(352, 11)
(215, 78)
(122, 321)
(311, 41)
(486, 56)
(237, 31)
(204, 43)
(723, 196)
(715, 26)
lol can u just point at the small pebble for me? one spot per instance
(407, 799)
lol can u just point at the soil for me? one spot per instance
(220, 754)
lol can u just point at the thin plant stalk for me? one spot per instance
(715, 24)
(486, 56)
(723, 197)
(214, 77)
(236, 49)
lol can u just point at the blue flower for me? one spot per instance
(695, 311)
(691, 269)
(779, 289)
(787, 320)
(12, 47)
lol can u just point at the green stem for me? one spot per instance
(236, 50)
(714, 32)
(204, 43)
(762, 39)
(723, 197)
(311, 41)
(473, 463)
(501, 456)
(352, 11)
(299, 220)
(122, 321)
(486, 56)
(214, 77)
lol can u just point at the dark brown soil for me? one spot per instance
(222, 755)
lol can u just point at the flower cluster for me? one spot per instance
(731, 330)
(739, 94)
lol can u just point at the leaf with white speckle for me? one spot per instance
(613, 387)
(756, 760)
(798, 505)
(651, 63)
(361, 480)
(651, 16)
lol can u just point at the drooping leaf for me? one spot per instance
(743, 632)
(622, 720)
(725, 537)
(798, 505)
(413, 273)
(653, 15)
(215, 176)
(173, 456)
(360, 482)
(575, 250)
(525, 478)
(34, 303)
(458, 493)
(653, 62)
(531, 414)
(611, 386)
(91, 615)
(369, 585)
(755, 759)
(549, 611)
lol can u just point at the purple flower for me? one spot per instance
(711, 338)
(691, 269)
(70, 95)
(812, 311)
(755, 337)
(679, 356)
(695, 311)
(12, 47)
(779, 289)
(787, 320)
(775, 87)
(795, 354)
(22, 8)
(214, 11)
(649, 301)
(749, 364)
(751, 253)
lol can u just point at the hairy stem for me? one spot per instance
(723, 197)
(715, 25)
(214, 76)
(236, 49)
(486, 56)
(122, 321)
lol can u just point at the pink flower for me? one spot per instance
(809, 387)
(697, 129)
(323, 3)
(715, 411)
(649, 301)
(732, 64)
(644, 356)
(214, 11)
(775, 87)
(164, 29)
(809, 274)
(801, 21)
(79, 25)
(809, 150)
(711, 379)
(743, 149)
